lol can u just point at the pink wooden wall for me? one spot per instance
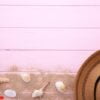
(48, 34)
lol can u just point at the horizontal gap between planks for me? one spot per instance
(53, 5)
(39, 72)
(51, 27)
(47, 50)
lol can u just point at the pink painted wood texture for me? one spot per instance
(49, 16)
(50, 2)
(48, 34)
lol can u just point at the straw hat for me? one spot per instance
(88, 79)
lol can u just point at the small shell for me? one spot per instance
(26, 77)
(37, 93)
(60, 86)
(4, 80)
(10, 93)
(40, 92)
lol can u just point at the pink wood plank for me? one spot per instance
(37, 16)
(51, 2)
(43, 18)
(46, 61)
(70, 39)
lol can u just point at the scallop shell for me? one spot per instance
(10, 93)
(60, 86)
(4, 80)
(26, 77)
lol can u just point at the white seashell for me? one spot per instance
(26, 77)
(60, 86)
(37, 93)
(10, 93)
(4, 80)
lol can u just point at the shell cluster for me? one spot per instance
(26, 77)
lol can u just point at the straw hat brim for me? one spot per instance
(87, 85)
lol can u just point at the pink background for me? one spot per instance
(48, 34)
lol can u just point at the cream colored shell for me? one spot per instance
(4, 80)
(26, 77)
(40, 92)
(37, 93)
(60, 86)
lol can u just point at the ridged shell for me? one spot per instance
(4, 80)
(26, 77)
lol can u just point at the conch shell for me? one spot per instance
(4, 80)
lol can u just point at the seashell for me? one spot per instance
(4, 80)
(26, 77)
(39, 92)
(60, 86)
(10, 93)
